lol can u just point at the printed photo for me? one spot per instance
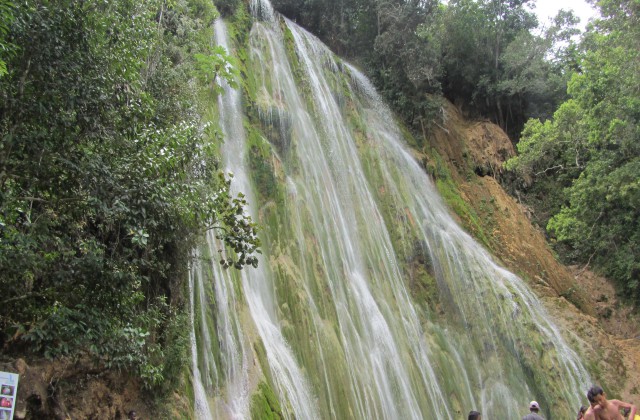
(5, 414)
(6, 402)
(7, 390)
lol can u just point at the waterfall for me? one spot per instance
(201, 404)
(369, 301)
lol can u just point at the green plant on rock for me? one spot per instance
(265, 405)
(215, 66)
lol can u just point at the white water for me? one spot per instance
(257, 287)
(201, 404)
(342, 332)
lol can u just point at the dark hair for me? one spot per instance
(595, 390)
(581, 411)
(474, 415)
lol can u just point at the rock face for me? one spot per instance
(73, 390)
(585, 305)
(475, 153)
(479, 146)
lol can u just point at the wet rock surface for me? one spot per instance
(603, 327)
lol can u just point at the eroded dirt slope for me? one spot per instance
(605, 331)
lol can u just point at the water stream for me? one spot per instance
(370, 301)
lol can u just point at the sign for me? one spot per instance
(8, 393)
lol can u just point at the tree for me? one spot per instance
(590, 153)
(495, 65)
(404, 58)
(6, 48)
(108, 177)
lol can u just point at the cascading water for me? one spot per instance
(258, 294)
(370, 302)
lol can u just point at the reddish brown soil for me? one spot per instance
(585, 305)
(74, 390)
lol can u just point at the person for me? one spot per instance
(133, 415)
(581, 412)
(590, 414)
(607, 409)
(474, 415)
(625, 414)
(534, 407)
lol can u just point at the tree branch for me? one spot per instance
(549, 169)
(22, 297)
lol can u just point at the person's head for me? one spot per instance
(133, 415)
(475, 415)
(581, 411)
(596, 395)
(534, 406)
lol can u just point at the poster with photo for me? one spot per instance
(8, 393)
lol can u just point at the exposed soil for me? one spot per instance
(622, 325)
(475, 152)
(74, 390)
(605, 330)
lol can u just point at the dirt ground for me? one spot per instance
(622, 325)
(605, 328)
(64, 390)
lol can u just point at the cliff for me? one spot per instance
(584, 304)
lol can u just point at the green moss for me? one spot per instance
(238, 28)
(189, 391)
(260, 158)
(264, 404)
(423, 286)
(240, 24)
(298, 72)
(261, 354)
(290, 48)
(449, 193)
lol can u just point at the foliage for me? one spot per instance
(217, 65)
(496, 64)
(588, 156)
(6, 48)
(487, 55)
(108, 177)
(403, 64)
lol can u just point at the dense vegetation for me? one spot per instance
(108, 177)
(581, 169)
(485, 55)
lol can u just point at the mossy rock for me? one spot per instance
(264, 404)
(276, 124)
